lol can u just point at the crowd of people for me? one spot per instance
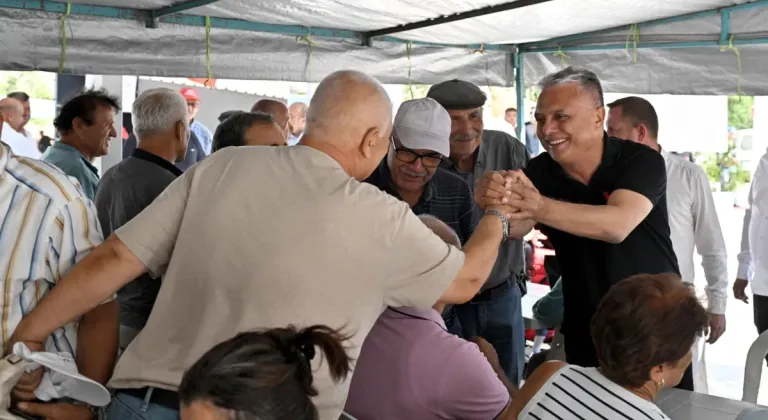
(367, 266)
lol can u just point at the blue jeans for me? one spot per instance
(128, 407)
(496, 315)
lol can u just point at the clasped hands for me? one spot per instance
(511, 192)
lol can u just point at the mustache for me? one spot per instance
(472, 135)
(413, 173)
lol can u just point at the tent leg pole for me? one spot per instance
(520, 90)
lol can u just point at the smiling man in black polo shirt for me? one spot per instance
(160, 122)
(599, 199)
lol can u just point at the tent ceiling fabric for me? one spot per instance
(31, 40)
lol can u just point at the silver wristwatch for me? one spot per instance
(504, 222)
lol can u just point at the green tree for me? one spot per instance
(740, 111)
(36, 84)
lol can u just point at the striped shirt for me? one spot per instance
(580, 393)
(446, 196)
(47, 225)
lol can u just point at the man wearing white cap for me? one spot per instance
(411, 170)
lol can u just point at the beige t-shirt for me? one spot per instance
(261, 237)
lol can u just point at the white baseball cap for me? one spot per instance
(423, 124)
(62, 379)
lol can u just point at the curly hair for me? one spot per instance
(645, 321)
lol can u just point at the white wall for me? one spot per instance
(212, 101)
(688, 123)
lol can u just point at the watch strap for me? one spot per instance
(504, 222)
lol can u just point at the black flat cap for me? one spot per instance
(457, 94)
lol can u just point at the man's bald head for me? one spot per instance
(441, 229)
(351, 112)
(277, 109)
(13, 112)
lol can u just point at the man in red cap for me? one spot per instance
(201, 131)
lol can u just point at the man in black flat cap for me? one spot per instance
(495, 313)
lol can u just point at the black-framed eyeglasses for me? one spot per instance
(406, 155)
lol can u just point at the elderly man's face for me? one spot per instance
(412, 169)
(466, 131)
(569, 121)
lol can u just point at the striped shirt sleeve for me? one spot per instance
(75, 233)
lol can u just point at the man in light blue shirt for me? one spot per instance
(204, 135)
(86, 124)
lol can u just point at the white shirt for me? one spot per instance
(694, 225)
(47, 225)
(20, 144)
(578, 393)
(753, 258)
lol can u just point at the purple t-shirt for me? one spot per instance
(410, 367)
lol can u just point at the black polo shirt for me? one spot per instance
(590, 267)
(446, 196)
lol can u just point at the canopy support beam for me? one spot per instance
(123, 13)
(156, 14)
(520, 91)
(368, 36)
(723, 12)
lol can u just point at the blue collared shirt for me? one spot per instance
(204, 135)
(74, 164)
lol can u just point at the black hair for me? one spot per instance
(266, 375)
(226, 114)
(231, 132)
(638, 111)
(19, 96)
(83, 106)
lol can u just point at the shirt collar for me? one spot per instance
(72, 150)
(664, 153)
(157, 160)
(427, 315)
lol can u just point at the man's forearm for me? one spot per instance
(602, 222)
(97, 341)
(481, 251)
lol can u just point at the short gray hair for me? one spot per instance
(573, 74)
(157, 111)
(441, 229)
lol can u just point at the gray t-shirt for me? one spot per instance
(125, 190)
(499, 151)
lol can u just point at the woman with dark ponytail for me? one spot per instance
(264, 375)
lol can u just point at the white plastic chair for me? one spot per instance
(753, 368)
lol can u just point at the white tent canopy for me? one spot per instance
(399, 41)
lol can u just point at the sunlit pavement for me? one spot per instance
(725, 359)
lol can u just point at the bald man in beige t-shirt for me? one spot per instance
(291, 237)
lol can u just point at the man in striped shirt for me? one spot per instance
(47, 225)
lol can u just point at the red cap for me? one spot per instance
(189, 94)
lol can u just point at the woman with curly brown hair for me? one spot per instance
(643, 331)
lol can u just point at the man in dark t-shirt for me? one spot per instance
(600, 200)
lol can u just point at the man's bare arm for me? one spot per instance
(611, 223)
(96, 278)
(97, 341)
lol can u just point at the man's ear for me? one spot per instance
(600, 117)
(642, 133)
(371, 141)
